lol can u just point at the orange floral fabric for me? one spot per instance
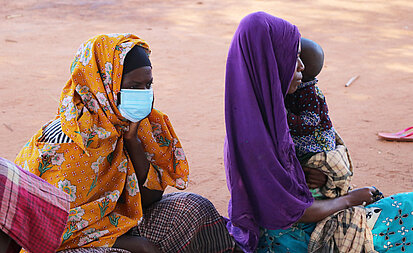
(95, 169)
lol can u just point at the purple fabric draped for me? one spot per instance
(264, 177)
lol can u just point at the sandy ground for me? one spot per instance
(189, 40)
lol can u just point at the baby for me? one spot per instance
(316, 142)
(308, 119)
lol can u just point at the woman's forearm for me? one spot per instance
(320, 209)
(141, 166)
(137, 156)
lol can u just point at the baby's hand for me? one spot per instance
(314, 177)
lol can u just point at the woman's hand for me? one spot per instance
(314, 177)
(132, 133)
(362, 196)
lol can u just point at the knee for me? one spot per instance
(196, 204)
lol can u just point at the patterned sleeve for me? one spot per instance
(165, 153)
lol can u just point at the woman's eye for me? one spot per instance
(137, 86)
(149, 85)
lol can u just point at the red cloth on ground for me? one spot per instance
(32, 211)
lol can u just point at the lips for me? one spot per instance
(299, 77)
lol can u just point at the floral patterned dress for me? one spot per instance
(94, 168)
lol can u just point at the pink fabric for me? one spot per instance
(32, 211)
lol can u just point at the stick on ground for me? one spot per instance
(354, 78)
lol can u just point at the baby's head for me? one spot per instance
(312, 56)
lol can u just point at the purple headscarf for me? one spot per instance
(264, 177)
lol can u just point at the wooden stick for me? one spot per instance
(354, 78)
(8, 127)
(13, 16)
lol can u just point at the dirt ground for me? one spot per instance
(189, 41)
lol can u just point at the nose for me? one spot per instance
(300, 65)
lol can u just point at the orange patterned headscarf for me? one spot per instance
(94, 169)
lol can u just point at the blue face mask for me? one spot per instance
(135, 104)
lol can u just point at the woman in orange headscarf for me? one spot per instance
(114, 155)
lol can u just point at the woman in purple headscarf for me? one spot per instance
(267, 184)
